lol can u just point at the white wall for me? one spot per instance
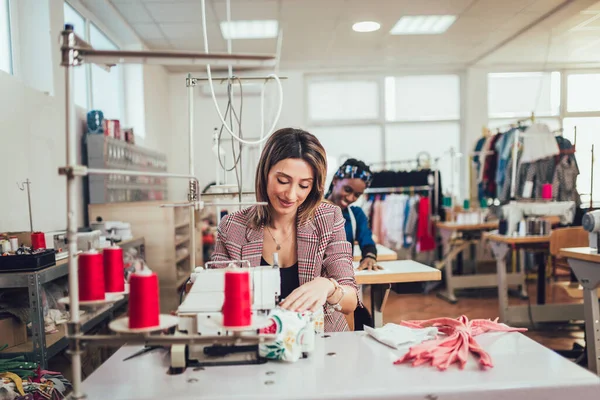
(32, 131)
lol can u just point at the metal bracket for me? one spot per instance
(193, 191)
(73, 171)
(191, 82)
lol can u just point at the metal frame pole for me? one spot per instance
(193, 185)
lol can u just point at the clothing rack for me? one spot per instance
(399, 189)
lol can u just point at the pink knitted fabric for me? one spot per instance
(455, 346)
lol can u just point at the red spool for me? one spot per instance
(237, 310)
(91, 276)
(38, 240)
(114, 279)
(143, 300)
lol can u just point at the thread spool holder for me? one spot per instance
(75, 52)
(26, 186)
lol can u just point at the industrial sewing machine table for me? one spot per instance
(352, 365)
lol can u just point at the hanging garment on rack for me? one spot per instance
(393, 220)
(490, 169)
(564, 182)
(538, 143)
(376, 225)
(425, 239)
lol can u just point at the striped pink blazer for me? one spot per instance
(322, 250)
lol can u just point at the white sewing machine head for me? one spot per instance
(591, 223)
(201, 309)
(516, 211)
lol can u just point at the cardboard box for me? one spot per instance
(12, 332)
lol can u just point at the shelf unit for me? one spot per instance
(168, 243)
(40, 347)
(109, 153)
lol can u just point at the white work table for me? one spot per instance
(383, 253)
(399, 271)
(360, 368)
(585, 263)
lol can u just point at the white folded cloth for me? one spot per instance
(397, 336)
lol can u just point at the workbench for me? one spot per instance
(469, 235)
(400, 271)
(383, 253)
(585, 263)
(352, 365)
(527, 314)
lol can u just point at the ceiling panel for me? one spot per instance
(178, 12)
(148, 31)
(134, 12)
(159, 44)
(319, 32)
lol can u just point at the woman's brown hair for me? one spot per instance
(283, 144)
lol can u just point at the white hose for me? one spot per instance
(212, 92)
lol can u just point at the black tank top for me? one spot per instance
(289, 278)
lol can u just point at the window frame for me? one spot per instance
(13, 37)
(563, 113)
(90, 19)
(381, 121)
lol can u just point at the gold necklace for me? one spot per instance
(278, 246)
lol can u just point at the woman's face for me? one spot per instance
(289, 184)
(347, 191)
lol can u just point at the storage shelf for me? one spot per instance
(183, 240)
(182, 280)
(182, 224)
(181, 258)
(56, 342)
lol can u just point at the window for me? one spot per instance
(107, 86)
(5, 40)
(81, 83)
(422, 98)
(582, 92)
(587, 135)
(343, 100)
(517, 95)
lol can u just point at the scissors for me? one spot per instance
(146, 349)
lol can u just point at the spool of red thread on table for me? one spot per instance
(143, 300)
(91, 276)
(38, 240)
(114, 279)
(547, 191)
(237, 305)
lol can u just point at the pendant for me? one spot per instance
(278, 247)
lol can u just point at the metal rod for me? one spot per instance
(165, 57)
(26, 186)
(68, 60)
(397, 189)
(119, 340)
(242, 78)
(592, 181)
(514, 166)
(100, 171)
(194, 187)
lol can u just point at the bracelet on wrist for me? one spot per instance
(371, 256)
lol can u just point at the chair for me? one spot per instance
(561, 238)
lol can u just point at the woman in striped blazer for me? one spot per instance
(314, 257)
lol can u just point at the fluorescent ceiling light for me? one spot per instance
(263, 29)
(366, 26)
(423, 24)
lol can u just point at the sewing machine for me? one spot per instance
(591, 223)
(515, 211)
(200, 314)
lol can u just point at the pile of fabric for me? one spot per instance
(21, 380)
(456, 344)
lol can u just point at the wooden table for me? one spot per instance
(540, 312)
(585, 263)
(401, 271)
(383, 253)
(471, 233)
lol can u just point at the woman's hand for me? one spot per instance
(369, 264)
(309, 296)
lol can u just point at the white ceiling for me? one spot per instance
(318, 33)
